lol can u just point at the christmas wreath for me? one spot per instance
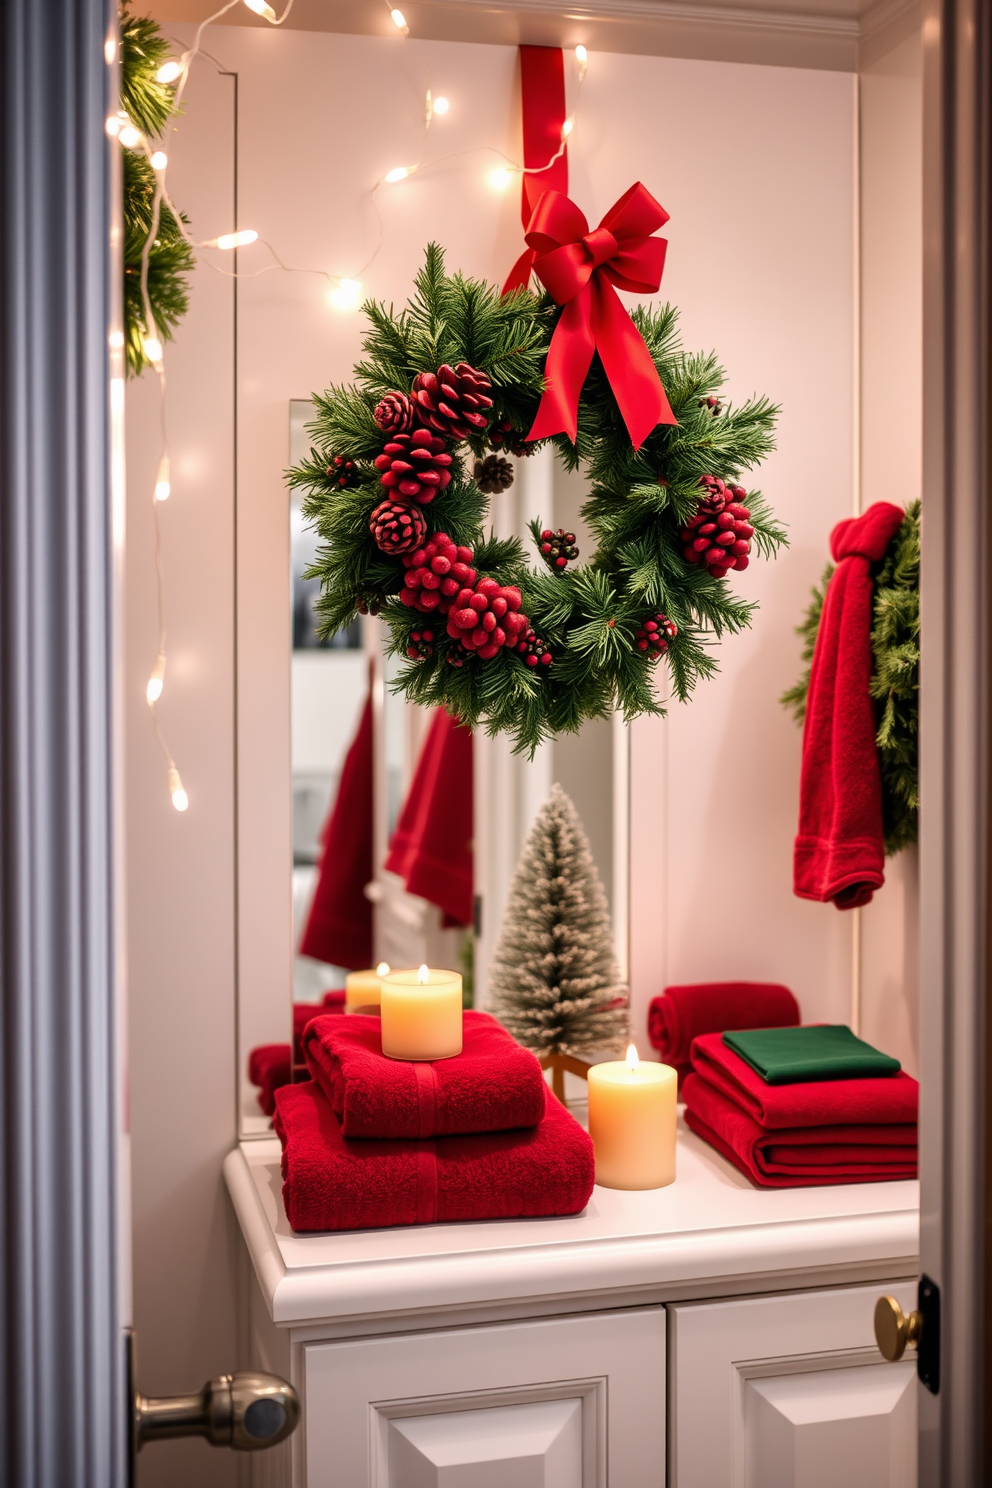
(406, 457)
(895, 680)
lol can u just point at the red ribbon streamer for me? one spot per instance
(542, 88)
(579, 269)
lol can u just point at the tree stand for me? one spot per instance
(558, 1064)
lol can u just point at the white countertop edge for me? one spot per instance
(500, 1275)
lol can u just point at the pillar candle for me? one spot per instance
(421, 1014)
(361, 989)
(632, 1122)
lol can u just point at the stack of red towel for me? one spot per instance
(682, 1013)
(271, 1065)
(804, 1134)
(371, 1141)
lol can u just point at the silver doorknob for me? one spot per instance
(895, 1329)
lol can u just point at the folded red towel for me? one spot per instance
(893, 1099)
(799, 1156)
(492, 1085)
(339, 925)
(269, 1066)
(333, 1183)
(431, 848)
(682, 1013)
(840, 848)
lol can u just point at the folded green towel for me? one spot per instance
(789, 1056)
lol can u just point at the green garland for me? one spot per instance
(589, 616)
(895, 646)
(149, 105)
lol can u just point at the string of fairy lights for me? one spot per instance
(344, 294)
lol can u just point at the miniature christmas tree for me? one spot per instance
(554, 982)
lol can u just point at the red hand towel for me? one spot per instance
(269, 1067)
(332, 1183)
(339, 926)
(840, 849)
(802, 1156)
(305, 1012)
(431, 849)
(892, 1100)
(681, 1013)
(493, 1085)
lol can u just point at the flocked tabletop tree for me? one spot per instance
(554, 980)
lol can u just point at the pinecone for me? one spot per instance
(397, 527)
(504, 433)
(435, 574)
(415, 465)
(394, 414)
(342, 472)
(534, 651)
(487, 617)
(713, 404)
(493, 474)
(367, 606)
(453, 400)
(654, 635)
(558, 547)
(718, 536)
(420, 644)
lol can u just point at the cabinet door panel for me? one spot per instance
(556, 1403)
(790, 1392)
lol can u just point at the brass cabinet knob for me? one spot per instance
(894, 1329)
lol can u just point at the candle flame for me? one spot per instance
(632, 1059)
(382, 969)
(422, 976)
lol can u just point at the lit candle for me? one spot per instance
(361, 989)
(632, 1122)
(422, 1014)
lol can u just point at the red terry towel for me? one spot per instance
(840, 849)
(271, 1065)
(339, 926)
(800, 1156)
(493, 1085)
(333, 1183)
(681, 1013)
(893, 1100)
(431, 848)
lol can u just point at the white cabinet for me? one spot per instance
(573, 1402)
(790, 1392)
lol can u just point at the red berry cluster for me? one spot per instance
(654, 635)
(503, 433)
(342, 472)
(558, 547)
(436, 574)
(486, 617)
(420, 644)
(533, 650)
(719, 535)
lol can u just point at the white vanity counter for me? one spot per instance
(708, 1234)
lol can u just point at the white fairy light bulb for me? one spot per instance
(114, 125)
(233, 240)
(179, 797)
(582, 57)
(110, 50)
(159, 160)
(169, 71)
(260, 7)
(398, 20)
(346, 294)
(116, 340)
(399, 173)
(500, 178)
(163, 485)
(152, 347)
(567, 128)
(157, 679)
(441, 105)
(130, 137)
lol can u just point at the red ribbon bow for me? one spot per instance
(579, 269)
